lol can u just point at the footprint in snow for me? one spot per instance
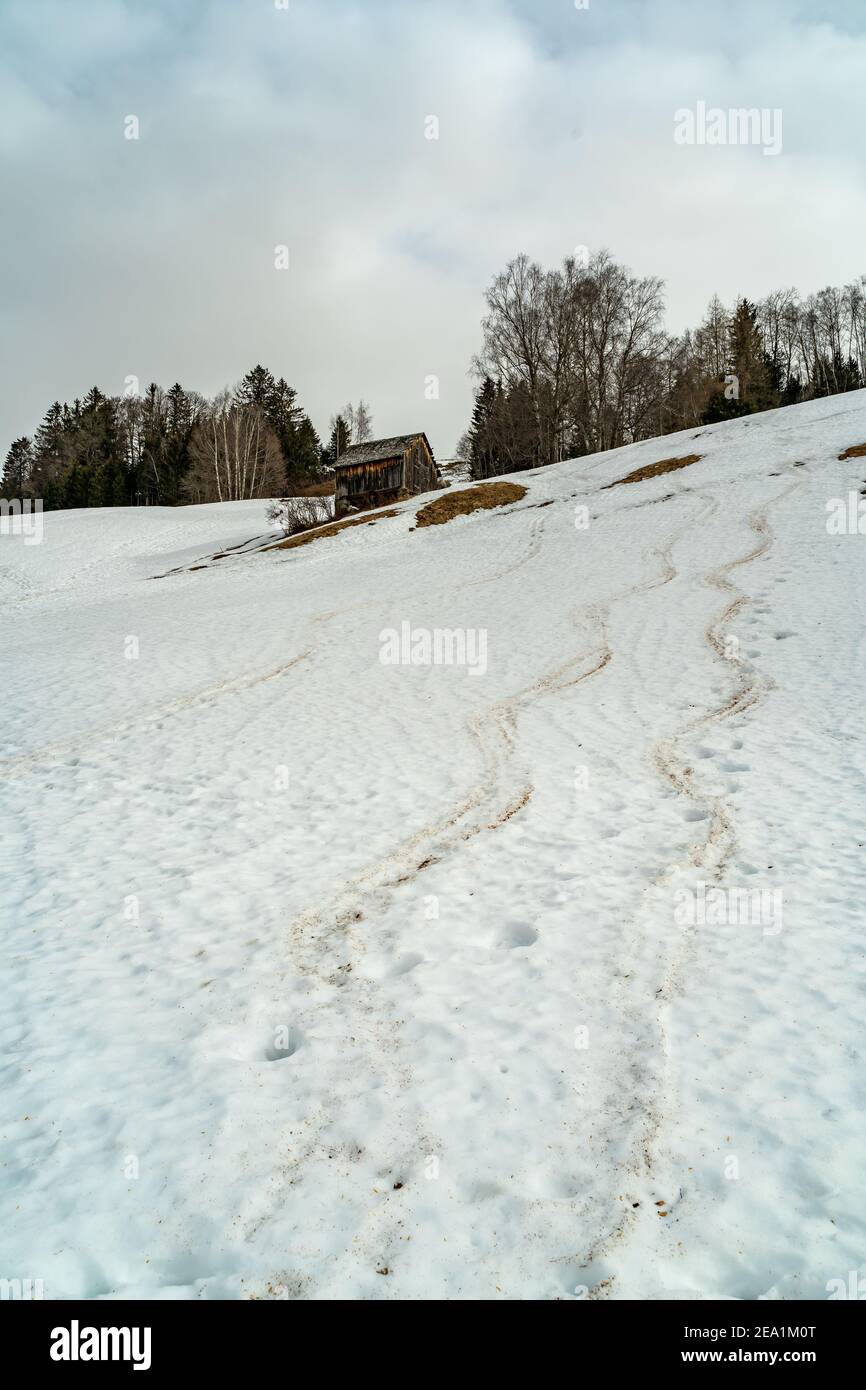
(284, 1043)
(516, 935)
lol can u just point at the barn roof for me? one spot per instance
(374, 450)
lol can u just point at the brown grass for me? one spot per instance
(857, 451)
(332, 529)
(655, 470)
(471, 499)
(325, 489)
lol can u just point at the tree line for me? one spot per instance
(166, 447)
(573, 361)
(577, 360)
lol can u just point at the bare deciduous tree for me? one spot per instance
(235, 454)
(359, 422)
(582, 347)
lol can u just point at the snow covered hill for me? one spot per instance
(535, 976)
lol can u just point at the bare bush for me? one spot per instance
(294, 514)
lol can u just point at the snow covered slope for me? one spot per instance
(326, 977)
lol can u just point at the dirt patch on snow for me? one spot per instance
(472, 499)
(655, 470)
(857, 451)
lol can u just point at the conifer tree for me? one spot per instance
(748, 360)
(17, 468)
(181, 411)
(483, 452)
(257, 388)
(304, 462)
(50, 454)
(339, 440)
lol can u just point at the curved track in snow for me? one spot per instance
(374, 970)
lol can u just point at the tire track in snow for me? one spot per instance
(711, 855)
(714, 852)
(494, 730)
(83, 744)
(325, 944)
(319, 937)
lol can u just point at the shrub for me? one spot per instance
(294, 514)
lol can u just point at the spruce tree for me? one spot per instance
(257, 388)
(748, 361)
(304, 462)
(75, 487)
(17, 468)
(483, 452)
(180, 410)
(339, 440)
(50, 451)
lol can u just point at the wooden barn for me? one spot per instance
(382, 471)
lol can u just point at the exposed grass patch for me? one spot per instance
(332, 529)
(857, 451)
(325, 489)
(471, 499)
(655, 470)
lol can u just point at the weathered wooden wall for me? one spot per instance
(383, 475)
(419, 470)
(365, 485)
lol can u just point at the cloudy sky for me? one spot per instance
(307, 126)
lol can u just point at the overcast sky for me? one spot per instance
(307, 127)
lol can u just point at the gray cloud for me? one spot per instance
(307, 127)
